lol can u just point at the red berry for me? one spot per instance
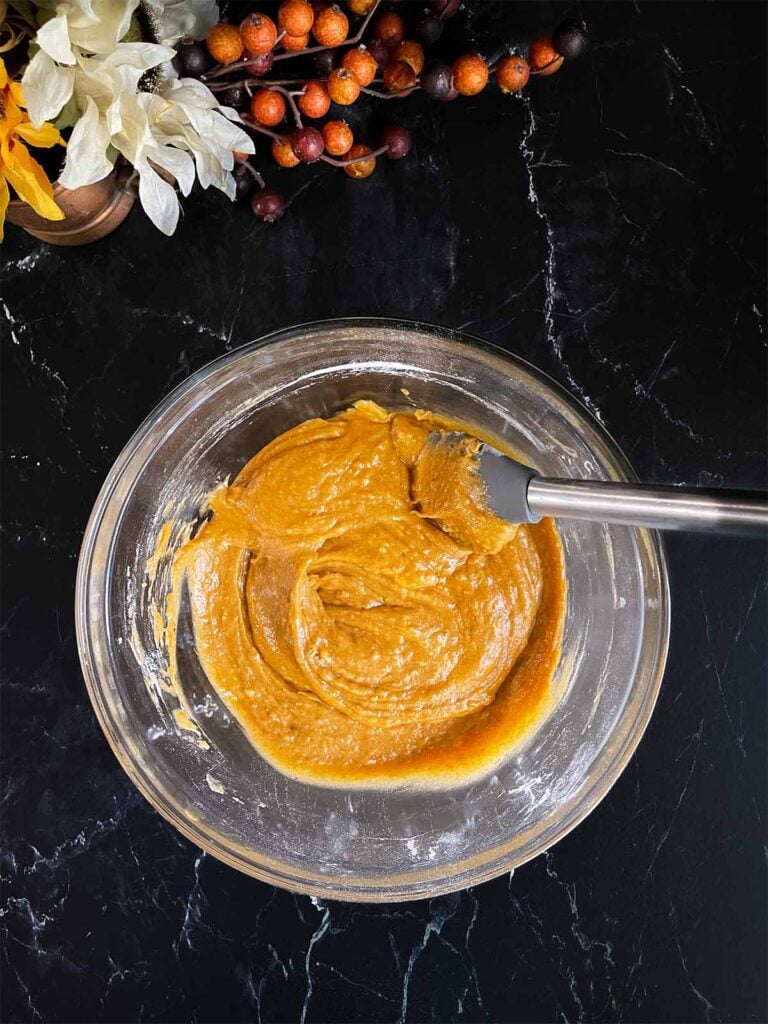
(570, 38)
(307, 144)
(389, 28)
(397, 139)
(338, 137)
(224, 43)
(331, 26)
(268, 205)
(512, 73)
(362, 65)
(282, 154)
(258, 33)
(267, 107)
(295, 43)
(411, 53)
(543, 57)
(260, 65)
(343, 87)
(470, 74)
(429, 28)
(361, 168)
(315, 101)
(379, 51)
(192, 60)
(445, 8)
(437, 81)
(295, 17)
(399, 76)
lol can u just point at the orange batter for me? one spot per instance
(363, 615)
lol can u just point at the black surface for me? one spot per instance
(610, 228)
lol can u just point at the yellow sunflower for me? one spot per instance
(17, 167)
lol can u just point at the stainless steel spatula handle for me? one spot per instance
(658, 507)
(519, 494)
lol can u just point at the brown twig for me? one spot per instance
(251, 170)
(354, 159)
(399, 95)
(291, 102)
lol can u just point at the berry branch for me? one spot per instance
(389, 61)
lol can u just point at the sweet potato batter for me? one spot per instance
(363, 615)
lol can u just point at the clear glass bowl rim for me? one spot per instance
(473, 870)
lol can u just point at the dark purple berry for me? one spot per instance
(307, 144)
(379, 51)
(445, 8)
(398, 141)
(437, 81)
(268, 205)
(192, 60)
(235, 96)
(325, 62)
(429, 28)
(570, 38)
(244, 182)
(451, 95)
(261, 65)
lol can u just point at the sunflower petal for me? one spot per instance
(28, 178)
(4, 198)
(45, 136)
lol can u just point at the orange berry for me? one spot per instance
(543, 57)
(343, 87)
(224, 43)
(258, 33)
(315, 101)
(295, 17)
(411, 53)
(239, 155)
(389, 28)
(331, 26)
(338, 137)
(399, 76)
(267, 107)
(282, 154)
(512, 73)
(294, 43)
(361, 64)
(360, 7)
(363, 168)
(470, 74)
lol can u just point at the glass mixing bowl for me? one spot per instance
(364, 844)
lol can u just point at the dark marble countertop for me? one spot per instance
(609, 227)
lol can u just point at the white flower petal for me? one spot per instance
(86, 160)
(53, 37)
(186, 20)
(113, 17)
(159, 200)
(47, 87)
(180, 165)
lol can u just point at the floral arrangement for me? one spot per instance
(91, 71)
(179, 94)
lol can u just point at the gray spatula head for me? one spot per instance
(506, 481)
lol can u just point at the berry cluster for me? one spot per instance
(391, 59)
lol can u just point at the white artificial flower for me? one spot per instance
(178, 129)
(185, 21)
(78, 27)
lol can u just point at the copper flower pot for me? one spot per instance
(90, 212)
